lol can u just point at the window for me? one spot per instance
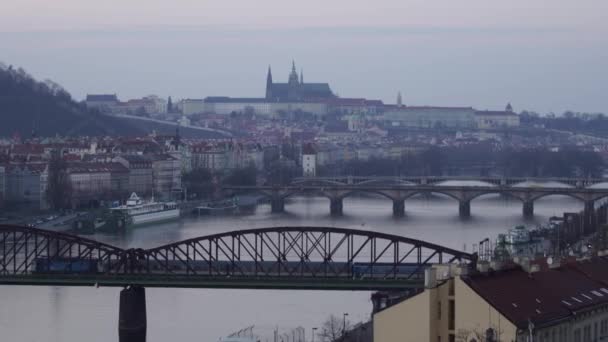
(451, 314)
(587, 333)
(596, 335)
(439, 310)
(577, 335)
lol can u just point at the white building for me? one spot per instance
(160, 104)
(167, 174)
(309, 161)
(431, 117)
(226, 105)
(488, 119)
(192, 106)
(102, 102)
(260, 106)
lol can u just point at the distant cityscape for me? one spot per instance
(297, 129)
(90, 184)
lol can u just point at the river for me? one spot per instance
(64, 314)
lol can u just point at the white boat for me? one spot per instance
(518, 235)
(139, 212)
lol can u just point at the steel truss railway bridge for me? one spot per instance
(399, 189)
(269, 258)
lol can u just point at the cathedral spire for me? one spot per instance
(301, 76)
(293, 76)
(269, 83)
(269, 77)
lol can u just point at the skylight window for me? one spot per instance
(603, 289)
(584, 295)
(597, 293)
(576, 299)
(567, 303)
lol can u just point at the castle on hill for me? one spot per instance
(295, 90)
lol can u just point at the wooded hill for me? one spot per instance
(27, 106)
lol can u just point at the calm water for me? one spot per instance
(61, 314)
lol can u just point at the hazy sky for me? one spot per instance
(545, 55)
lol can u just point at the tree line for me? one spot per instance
(29, 106)
(477, 161)
(589, 123)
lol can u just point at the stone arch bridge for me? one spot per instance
(400, 189)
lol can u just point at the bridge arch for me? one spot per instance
(479, 182)
(313, 252)
(385, 181)
(434, 191)
(317, 181)
(560, 193)
(497, 191)
(315, 192)
(353, 192)
(25, 249)
(542, 184)
(277, 257)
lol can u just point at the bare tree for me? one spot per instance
(333, 329)
(479, 335)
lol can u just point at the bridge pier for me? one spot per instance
(464, 209)
(528, 209)
(399, 208)
(277, 204)
(132, 315)
(335, 206)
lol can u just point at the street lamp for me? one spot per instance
(313, 333)
(344, 315)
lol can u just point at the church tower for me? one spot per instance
(269, 84)
(293, 85)
(301, 76)
(509, 108)
(293, 76)
(399, 100)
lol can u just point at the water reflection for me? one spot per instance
(76, 314)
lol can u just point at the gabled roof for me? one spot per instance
(541, 297)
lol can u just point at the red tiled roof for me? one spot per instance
(308, 149)
(28, 149)
(31, 167)
(596, 269)
(541, 297)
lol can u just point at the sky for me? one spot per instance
(541, 55)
